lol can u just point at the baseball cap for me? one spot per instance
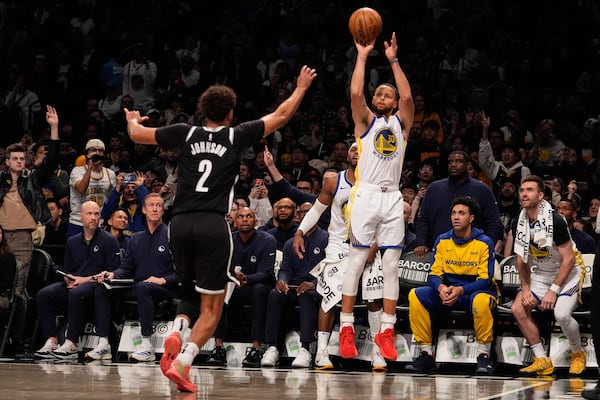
(95, 143)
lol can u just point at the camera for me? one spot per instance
(96, 158)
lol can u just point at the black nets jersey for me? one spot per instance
(209, 163)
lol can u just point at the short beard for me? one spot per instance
(284, 221)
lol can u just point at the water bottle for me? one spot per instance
(510, 350)
(454, 345)
(136, 335)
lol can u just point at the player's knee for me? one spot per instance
(481, 305)
(562, 314)
(413, 299)
(518, 310)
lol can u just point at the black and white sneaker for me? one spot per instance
(253, 358)
(218, 356)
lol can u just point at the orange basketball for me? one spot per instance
(365, 25)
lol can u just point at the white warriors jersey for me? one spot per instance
(381, 152)
(337, 246)
(547, 260)
(98, 191)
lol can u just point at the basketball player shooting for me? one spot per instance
(376, 204)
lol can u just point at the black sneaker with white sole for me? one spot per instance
(484, 364)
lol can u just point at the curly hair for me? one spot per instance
(217, 101)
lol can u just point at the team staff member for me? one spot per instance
(461, 276)
(208, 167)
(432, 220)
(254, 254)
(149, 262)
(86, 254)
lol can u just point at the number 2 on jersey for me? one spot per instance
(204, 168)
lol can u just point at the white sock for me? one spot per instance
(538, 350)
(180, 324)
(387, 321)
(374, 318)
(323, 340)
(576, 348)
(103, 342)
(427, 348)
(484, 348)
(346, 319)
(146, 343)
(188, 353)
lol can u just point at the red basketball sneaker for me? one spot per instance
(347, 346)
(385, 341)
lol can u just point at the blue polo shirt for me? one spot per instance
(256, 256)
(147, 255)
(293, 270)
(86, 259)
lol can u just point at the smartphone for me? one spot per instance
(582, 186)
(258, 182)
(64, 274)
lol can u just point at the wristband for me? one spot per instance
(394, 60)
(555, 288)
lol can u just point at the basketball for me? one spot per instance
(365, 25)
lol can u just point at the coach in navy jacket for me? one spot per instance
(86, 254)
(149, 262)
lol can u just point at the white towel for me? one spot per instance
(542, 230)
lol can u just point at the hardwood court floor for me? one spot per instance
(49, 381)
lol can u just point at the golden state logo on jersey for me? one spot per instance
(385, 143)
(536, 252)
(345, 210)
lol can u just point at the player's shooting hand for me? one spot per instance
(363, 50)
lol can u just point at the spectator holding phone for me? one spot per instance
(259, 202)
(129, 193)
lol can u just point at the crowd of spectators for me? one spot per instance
(522, 78)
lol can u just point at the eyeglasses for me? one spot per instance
(303, 211)
(426, 169)
(284, 207)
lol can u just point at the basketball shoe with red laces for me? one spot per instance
(347, 346)
(385, 341)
